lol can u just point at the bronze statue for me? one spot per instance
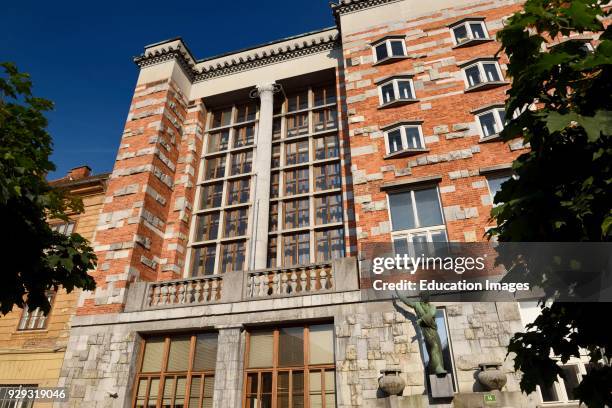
(426, 318)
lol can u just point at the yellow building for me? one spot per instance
(32, 345)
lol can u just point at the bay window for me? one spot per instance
(404, 137)
(396, 90)
(482, 73)
(389, 48)
(469, 31)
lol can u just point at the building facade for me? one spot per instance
(32, 345)
(246, 189)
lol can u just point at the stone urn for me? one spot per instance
(391, 382)
(491, 377)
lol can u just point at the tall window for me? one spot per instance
(305, 152)
(416, 218)
(290, 367)
(444, 342)
(228, 152)
(35, 319)
(177, 371)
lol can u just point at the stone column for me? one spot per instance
(261, 168)
(228, 371)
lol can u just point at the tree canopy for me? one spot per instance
(35, 258)
(560, 103)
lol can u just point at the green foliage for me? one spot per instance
(35, 258)
(562, 191)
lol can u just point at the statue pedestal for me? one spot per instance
(492, 399)
(441, 386)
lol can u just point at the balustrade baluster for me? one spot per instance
(303, 284)
(276, 287)
(206, 291)
(323, 279)
(313, 279)
(215, 288)
(284, 279)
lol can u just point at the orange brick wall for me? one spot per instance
(448, 126)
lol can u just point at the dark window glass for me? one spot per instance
(222, 117)
(326, 147)
(461, 34)
(242, 162)
(246, 112)
(236, 222)
(297, 213)
(211, 195)
(328, 209)
(244, 136)
(397, 48)
(296, 152)
(232, 257)
(330, 244)
(218, 141)
(296, 249)
(214, 167)
(207, 226)
(325, 119)
(238, 191)
(394, 139)
(381, 51)
(297, 124)
(204, 260)
(327, 176)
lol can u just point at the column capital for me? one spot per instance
(267, 88)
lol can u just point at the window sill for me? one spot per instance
(397, 102)
(491, 138)
(390, 60)
(30, 332)
(486, 85)
(472, 42)
(405, 153)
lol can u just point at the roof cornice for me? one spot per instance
(348, 6)
(266, 57)
(226, 65)
(160, 54)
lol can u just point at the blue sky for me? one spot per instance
(79, 55)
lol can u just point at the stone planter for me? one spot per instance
(491, 377)
(391, 382)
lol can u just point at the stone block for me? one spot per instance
(441, 386)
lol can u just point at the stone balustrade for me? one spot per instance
(339, 275)
(299, 280)
(191, 291)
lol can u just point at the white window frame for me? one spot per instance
(499, 126)
(505, 175)
(387, 42)
(408, 234)
(481, 73)
(404, 136)
(559, 385)
(396, 93)
(468, 29)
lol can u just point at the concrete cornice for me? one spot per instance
(348, 6)
(270, 55)
(166, 51)
(231, 63)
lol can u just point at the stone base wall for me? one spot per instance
(370, 336)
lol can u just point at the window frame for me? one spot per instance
(408, 234)
(405, 150)
(387, 42)
(164, 374)
(467, 24)
(37, 316)
(483, 84)
(306, 368)
(397, 98)
(499, 126)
